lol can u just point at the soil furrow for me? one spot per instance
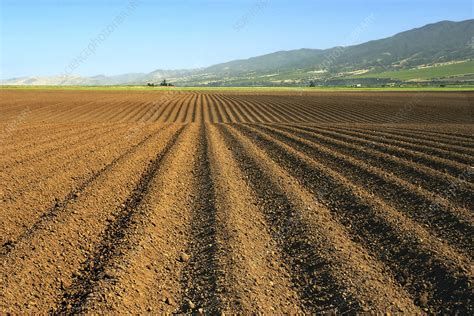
(454, 189)
(236, 111)
(93, 270)
(221, 112)
(148, 257)
(61, 206)
(306, 243)
(384, 138)
(37, 152)
(277, 112)
(403, 156)
(423, 265)
(37, 137)
(25, 168)
(455, 226)
(55, 254)
(203, 275)
(447, 135)
(425, 143)
(255, 278)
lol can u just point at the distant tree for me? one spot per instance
(164, 83)
(312, 84)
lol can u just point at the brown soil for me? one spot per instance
(236, 202)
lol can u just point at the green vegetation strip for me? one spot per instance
(243, 89)
(444, 71)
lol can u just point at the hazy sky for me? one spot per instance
(89, 37)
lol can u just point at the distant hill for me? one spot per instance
(433, 45)
(429, 45)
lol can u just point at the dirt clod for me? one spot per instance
(183, 257)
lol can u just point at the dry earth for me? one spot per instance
(205, 202)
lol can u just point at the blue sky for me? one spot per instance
(51, 37)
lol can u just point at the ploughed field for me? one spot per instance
(163, 202)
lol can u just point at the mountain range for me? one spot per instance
(439, 51)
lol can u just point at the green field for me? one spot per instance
(243, 89)
(453, 70)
